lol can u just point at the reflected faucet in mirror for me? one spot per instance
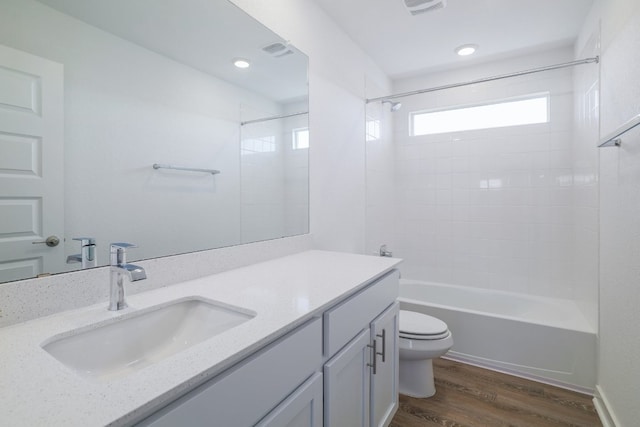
(155, 107)
(87, 256)
(120, 269)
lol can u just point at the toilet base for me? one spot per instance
(416, 378)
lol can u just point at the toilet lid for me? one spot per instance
(420, 325)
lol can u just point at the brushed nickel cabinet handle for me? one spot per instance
(374, 365)
(384, 344)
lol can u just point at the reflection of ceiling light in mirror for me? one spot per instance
(466, 49)
(241, 63)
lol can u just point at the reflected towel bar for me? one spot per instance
(182, 168)
(614, 140)
(266, 119)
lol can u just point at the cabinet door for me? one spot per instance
(248, 391)
(346, 384)
(302, 409)
(384, 383)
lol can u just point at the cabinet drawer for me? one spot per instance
(344, 321)
(246, 392)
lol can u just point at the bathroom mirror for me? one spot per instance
(94, 93)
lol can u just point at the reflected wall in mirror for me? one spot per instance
(94, 93)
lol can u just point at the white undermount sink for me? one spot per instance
(133, 342)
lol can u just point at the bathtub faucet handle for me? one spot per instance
(384, 252)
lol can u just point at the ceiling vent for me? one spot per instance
(277, 49)
(417, 7)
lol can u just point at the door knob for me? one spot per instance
(52, 241)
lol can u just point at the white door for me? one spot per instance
(384, 383)
(31, 165)
(346, 385)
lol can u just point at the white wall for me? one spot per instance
(619, 330)
(275, 177)
(338, 69)
(489, 208)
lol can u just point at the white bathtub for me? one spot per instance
(544, 339)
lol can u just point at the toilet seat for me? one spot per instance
(418, 326)
(425, 337)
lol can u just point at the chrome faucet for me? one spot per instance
(119, 269)
(87, 255)
(384, 252)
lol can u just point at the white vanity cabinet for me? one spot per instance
(321, 374)
(361, 339)
(247, 392)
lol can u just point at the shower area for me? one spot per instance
(496, 220)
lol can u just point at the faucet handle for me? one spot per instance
(123, 245)
(85, 241)
(119, 252)
(87, 254)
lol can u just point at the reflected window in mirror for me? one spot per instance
(152, 97)
(300, 138)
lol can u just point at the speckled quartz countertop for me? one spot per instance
(38, 390)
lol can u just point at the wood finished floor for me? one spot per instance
(468, 396)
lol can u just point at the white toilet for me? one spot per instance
(422, 338)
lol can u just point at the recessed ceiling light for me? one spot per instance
(466, 49)
(241, 63)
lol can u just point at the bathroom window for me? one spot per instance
(300, 138)
(522, 111)
(372, 129)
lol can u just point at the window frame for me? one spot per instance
(530, 96)
(294, 138)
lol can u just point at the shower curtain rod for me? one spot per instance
(266, 119)
(595, 59)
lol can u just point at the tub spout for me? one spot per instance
(384, 252)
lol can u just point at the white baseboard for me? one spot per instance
(603, 408)
(515, 370)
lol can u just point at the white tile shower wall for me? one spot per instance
(274, 175)
(296, 172)
(262, 179)
(489, 208)
(586, 82)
